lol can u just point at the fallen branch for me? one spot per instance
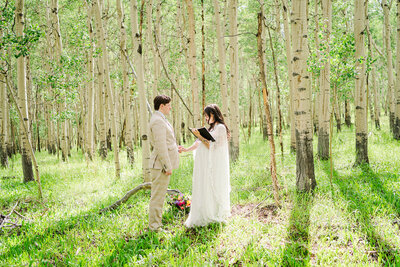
(131, 193)
(8, 216)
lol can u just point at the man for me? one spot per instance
(163, 159)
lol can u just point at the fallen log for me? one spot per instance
(131, 193)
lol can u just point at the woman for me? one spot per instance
(211, 186)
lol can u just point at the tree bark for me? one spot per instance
(292, 93)
(111, 103)
(222, 60)
(234, 100)
(397, 88)
(3, 119)
(305, 177)
(360, 85)
(324, 113)
(389, 65)
(267, 106)
(278, 94)
(125, 87)
(138, 59)
(22, 95)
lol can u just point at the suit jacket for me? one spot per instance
(165, 154)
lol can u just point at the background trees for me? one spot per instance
(91, 71)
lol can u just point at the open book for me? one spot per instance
(204, 133)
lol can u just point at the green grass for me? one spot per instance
(352, 220)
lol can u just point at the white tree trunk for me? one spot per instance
(389, 65)
(192, 64)
(234, 100)
(22, 95)
(360, 95)
(324, 112)
(3, 116)
(222, 59)
(90, 88)
(125, 86)
(397, 89)
(288, 48)
(144, 124)
(106, 72)
(305, 177)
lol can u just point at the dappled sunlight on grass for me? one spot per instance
(354, 220)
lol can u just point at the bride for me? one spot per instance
(211, 186)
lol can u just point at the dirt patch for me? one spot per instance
(265, 214)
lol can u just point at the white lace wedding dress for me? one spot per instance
(211, 181)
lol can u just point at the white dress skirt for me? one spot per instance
(211, 181)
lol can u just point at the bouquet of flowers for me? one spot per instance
(180, 201)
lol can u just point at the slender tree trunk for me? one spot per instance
(288, 48)
(90, 88)
(111, 103)
(397, 88)
(125, 87)
(278, 94)
(156, 59)
(192, 63)
(234, 101)
(325, 86)
(267, 106)
(222, 60)
(203, 60)
(3, 117)
(305, 177)
(138, 59)
(389, 65)
(360, 85)
(347, 112)
(22, 95)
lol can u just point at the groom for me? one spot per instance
(163, 159)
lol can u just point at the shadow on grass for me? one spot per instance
(360, 191)
(296, 248)
(140, 249)
(37, 244)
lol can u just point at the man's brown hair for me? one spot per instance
(161, 99)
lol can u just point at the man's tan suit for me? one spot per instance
(165, 157)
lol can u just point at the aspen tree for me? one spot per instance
(234, 81)
(55, 24)
(372, 80)
(125, 86)
(288, 49)
(360, 84)
(267, 106)
(90, 86)
(192, 63)
(104, 67)
(138, 59)
(3, 118)
(324, 112)
(397, 88)
(22, 95)
(221, 60)
(389, 61)
(305, 177)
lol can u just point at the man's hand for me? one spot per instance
(168, 172)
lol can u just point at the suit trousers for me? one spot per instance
(159, 188)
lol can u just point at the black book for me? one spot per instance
(204, 133)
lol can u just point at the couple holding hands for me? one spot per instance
(210, 187)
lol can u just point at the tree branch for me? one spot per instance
(131, 193)
(166, 73)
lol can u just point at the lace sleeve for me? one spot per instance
(220, 136)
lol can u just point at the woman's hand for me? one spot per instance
(181, 149)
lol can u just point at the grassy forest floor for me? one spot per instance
(355, 220)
